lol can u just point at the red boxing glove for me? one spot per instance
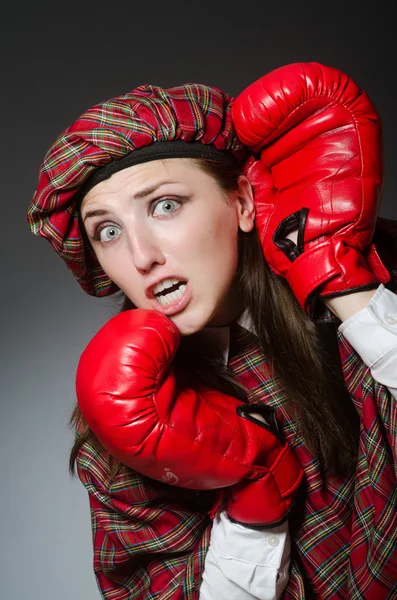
(319, 172)
(193, 439)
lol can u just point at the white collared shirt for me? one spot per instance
(248, 564)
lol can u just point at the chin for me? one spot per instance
(187, 329)
(188, 324)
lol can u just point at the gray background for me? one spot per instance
(58, 60)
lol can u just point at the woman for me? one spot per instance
(153, 194)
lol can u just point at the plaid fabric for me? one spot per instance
(150, 539)
(107, 132)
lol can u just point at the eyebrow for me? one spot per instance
(139, 195)
(149, 190)
(99, 212)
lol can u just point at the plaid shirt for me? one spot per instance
(150, 539)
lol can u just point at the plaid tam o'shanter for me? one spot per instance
(150, 539)
(107, 133)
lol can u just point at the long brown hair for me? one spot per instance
(293, 345)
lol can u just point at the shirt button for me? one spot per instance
(273, 541)
(391, 320)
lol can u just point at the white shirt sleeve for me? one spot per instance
(245, 564)
(373, 334)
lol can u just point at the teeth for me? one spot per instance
(163, 285)
(172, 297)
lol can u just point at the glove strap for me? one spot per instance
(341, 268)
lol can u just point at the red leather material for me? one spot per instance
(194, 439)
(320, 143)
(269, 499)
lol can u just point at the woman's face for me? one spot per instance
(166, 235)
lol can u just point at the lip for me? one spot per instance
(149, 289)
(174, 307)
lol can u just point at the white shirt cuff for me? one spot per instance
(373, 334)
(245, 564)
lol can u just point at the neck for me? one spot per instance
(232, 308)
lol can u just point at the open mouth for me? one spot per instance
(169, 291)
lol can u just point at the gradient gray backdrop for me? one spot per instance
(59, 59)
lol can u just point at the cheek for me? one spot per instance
(122, 273)
(222, 237)
(214, 248)
(211, 227)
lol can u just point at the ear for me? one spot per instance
(245, 204)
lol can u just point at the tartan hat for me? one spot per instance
(114, 134)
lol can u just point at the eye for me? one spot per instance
(165, 207)
(109, 233)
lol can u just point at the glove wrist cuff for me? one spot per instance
(310, 270)
(341, 268)
(267, 502)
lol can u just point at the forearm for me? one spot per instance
(346, 306)
(139, 529)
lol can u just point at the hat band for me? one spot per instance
(156, 151)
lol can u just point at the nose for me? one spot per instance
(145, 248)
